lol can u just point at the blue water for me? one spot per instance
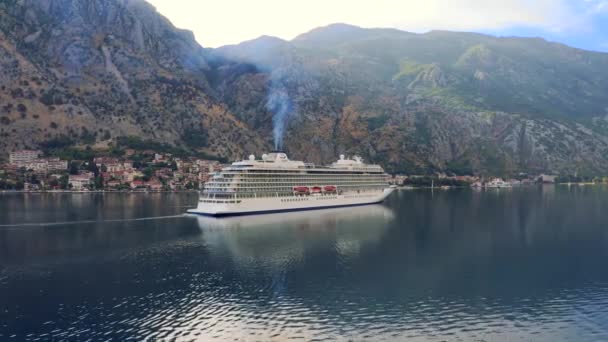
(456, 265)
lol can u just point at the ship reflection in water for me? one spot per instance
(286, 237)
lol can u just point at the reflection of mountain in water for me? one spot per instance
(278, 239)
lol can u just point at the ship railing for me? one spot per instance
(266, 194)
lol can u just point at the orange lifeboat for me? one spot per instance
(329, 188)
(316, 189)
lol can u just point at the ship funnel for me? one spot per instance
(278, 156)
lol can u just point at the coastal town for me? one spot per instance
(148, 170)
(29, 170)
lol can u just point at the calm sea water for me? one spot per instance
(457, 265)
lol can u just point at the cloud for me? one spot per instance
(217, 23)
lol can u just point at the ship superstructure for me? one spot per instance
(274, 183)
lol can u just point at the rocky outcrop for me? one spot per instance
(443, 100)
(92, 71)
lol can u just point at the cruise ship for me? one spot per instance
(276, 184)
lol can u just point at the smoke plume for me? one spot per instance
(280, 104)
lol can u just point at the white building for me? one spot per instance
(129, 176)
(45, 165)
(113, 164)
(80, 182)
(497, 183)
(36, 165)
(548, 179)
(54, 164)
(23, 156)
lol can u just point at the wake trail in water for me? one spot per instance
(47, 224)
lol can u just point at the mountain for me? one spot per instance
(441, 100)
(86, 73)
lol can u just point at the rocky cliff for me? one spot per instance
(439, 101)
(88, 72)
(85, 73)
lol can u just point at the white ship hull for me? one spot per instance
(248, 206)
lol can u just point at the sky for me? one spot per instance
(578, 23)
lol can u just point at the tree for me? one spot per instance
(195, 138)
(73, 168)
(148, 173)
(33, 179)
(91, 166)
(64, 182)
(99, 182)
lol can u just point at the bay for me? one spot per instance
(457, 265)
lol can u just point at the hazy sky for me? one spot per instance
(580, 23)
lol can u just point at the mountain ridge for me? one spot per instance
(440, 101)
(466, 78)
(105, 69)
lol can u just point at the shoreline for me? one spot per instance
(510, 187)
(196, 191)
(94, 191)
